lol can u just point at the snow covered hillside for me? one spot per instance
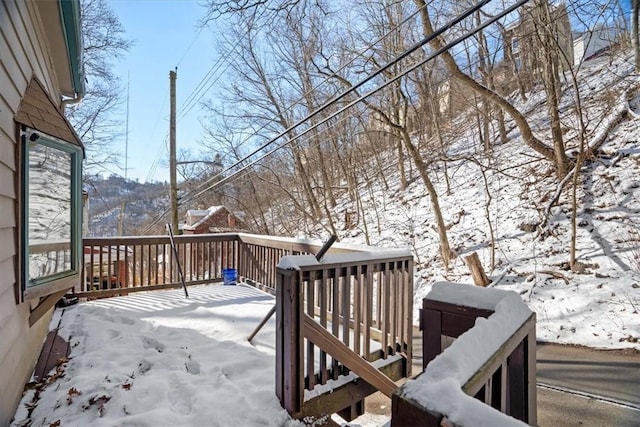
(508, 193)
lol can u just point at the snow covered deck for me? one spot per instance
(158, 358)
(358, 299)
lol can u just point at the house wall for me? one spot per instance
(592, 42)
(23, 53)
(521, 46)
(222, 219)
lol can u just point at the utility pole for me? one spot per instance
(126, 160)
(172, 152)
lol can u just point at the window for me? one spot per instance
(51, 214)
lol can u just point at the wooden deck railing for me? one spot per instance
(120, 265)
(353, 308)
(346, 317)
(50, 257)
(492, 361)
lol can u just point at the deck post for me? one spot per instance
(530, 366)
(289, 341)
(431, 324)
(517, 393)
(406, 412)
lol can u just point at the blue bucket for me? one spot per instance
(229, 276)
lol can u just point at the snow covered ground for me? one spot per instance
(598, 305)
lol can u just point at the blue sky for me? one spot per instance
(166, 35)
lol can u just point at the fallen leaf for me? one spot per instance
(99, 399)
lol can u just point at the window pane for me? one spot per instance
(50, 211)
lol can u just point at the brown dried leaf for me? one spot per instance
(70, 393)
(99, 399)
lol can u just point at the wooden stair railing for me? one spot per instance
(334, 347)
(503, 362)
(343, 331)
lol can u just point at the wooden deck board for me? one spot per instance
(54, 348)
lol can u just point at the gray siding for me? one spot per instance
(23, 53)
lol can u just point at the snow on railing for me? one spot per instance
(486, 377)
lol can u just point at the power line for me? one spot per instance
(198, 93)
(219, 178)
(190, 196)
(190, 46)
(354, 88)
(317, 86)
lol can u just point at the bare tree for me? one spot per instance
(547, 38)
(256, 9)
(104, 41)
(635, 5)
(264, 95)
(389, 108)
(438, 43)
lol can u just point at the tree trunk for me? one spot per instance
(635, 5)
(550, 54)
(477, 272)
(304, 178)
(525, 130)
(401, 171)
(487, 74)
(445, 249)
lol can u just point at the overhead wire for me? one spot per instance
(469, 66)
(302, 97)
(220, 178)
(453, 43)
(154, 165)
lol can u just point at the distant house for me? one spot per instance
(519, 40)
(40, 179)
(216, 219)
(521, 35)
(592, 42)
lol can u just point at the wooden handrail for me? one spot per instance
(501, 371)
(330, 314)
(152, 240)
(132, 263)
(38, 247)
(334, 347)
(479, 379)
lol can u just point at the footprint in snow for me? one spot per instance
(153, 343)
(144, 367)
(179, 399)
(192, 366)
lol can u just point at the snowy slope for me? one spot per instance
(596, 306)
